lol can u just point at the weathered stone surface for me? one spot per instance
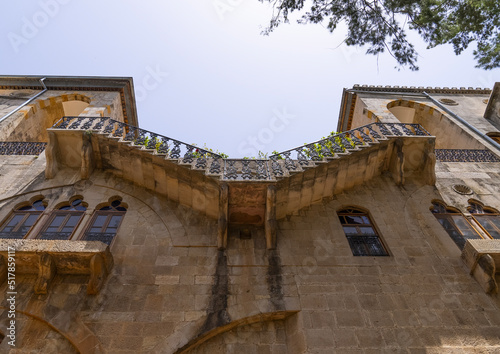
(181, 276)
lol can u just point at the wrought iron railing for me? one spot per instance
(349, 140)
(160, 144)
(21, 148)
(106, 238)
(12, 235)
(277, 166)
(308, 155)
(466, 155)
(366, 245)
(246, 169)
(54, 235)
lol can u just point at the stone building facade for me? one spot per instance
(384, 238)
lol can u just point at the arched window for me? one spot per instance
(21, 220)
(488, 218)
(105, 222)
(455, 223)
(63, 222)
(361, 233)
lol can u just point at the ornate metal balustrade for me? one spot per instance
(54, 235)
(306, 156)
(465, 155)
(246, 170)
(12, 235)
(156, 143)
(277, 166)
(107, 238)
(21, 148)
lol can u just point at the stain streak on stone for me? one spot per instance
(217, 314)
(275, 281)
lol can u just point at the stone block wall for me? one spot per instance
(170, 286)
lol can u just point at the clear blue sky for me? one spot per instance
(203, 72)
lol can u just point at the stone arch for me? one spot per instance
(47, 335)
(495, 136)
(111, 200)
(448, 134)
(220, 331)
(32, 121)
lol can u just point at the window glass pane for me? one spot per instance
(464, 227)
(28, 207)
(31, 219)
(366, 220)
(15, 219)
(375, 247)
(56, 223)
(495, 220)
(66, 207)
(28, 223)
(438, 208)
(99, 221)
(38, 205)
(114, 223)
(491, 224)
(357, 246)
(98, 224)
(73, 220)
(458, 233)
(351, 219)
(348, 230)
(366, 230)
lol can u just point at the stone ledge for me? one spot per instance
(48, 257)
(482, 258)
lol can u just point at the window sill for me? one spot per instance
(48, 257)
(482, 258)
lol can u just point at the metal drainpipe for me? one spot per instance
(28, 101)
(437, 103)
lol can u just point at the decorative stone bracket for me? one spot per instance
(46, 271)
(48, 258)
(482, 257)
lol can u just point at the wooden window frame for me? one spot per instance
(27, 214)
(359, 236)
(42, 235)
(478, 211)
(109, 214)
(447, 215)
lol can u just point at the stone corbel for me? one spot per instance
(223, 216)
(46, 272)
(483, 271)
(482, 257)
(99, 270)
(86, 157)
(270, 222)
(429, 168)
(51, 150)
(398, 162)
